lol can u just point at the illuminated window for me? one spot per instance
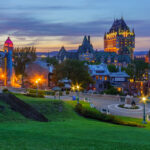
(100, 77)
(96, 77)
(105, 78)
(119, 89)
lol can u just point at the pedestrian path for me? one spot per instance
(136, 113)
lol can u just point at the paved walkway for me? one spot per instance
(104, 102)
(136, 113)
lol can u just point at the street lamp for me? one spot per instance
(3, 78)
(37, 82)
(77, 89)
(144, 114)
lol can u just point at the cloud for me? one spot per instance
(25, 26)
(26, 8)
(28, 26)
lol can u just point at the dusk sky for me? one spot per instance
(50, 24)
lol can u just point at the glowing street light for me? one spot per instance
(3, 78)
(77, 89)
(144, 114)
(37, 82)
(73, 88)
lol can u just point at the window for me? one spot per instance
(96, 77)
(100, 77)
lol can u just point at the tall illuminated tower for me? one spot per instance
(8, 47)
(120, 39)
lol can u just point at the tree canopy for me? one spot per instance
(23, 56)
(136, 69)
(74, 70)
(112, 68)
(51, 60)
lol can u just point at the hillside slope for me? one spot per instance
(67, 131)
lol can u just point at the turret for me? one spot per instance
(8, 47)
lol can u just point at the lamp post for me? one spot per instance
(144, 114)
(3, 79)
(77, 89)
(37, 83)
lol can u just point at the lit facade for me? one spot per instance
(6, 64)
(147, 58)
(103, 77)
(87, 53)
(120, 39)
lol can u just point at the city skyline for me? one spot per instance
(48, 25)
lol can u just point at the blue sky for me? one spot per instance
(50, 24)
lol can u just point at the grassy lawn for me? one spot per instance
(66, 130)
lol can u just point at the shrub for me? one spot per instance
(33, 91)
(93, 113)
(35, 95)
(5, 90)
(113, 91)
(78, 108)
(67, 92)
(60, 93)
(132, 107)
(48, 92)
(53, 93)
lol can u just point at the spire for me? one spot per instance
(105, 35)
(133, 30)
(85, 40)
(62, 48)
(89, 39)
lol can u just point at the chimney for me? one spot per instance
(89, 39)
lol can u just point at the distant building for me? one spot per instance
(63, 55)
(147, 58)
(103, 78)
(120, 39)
(86, 52)
(100, 75)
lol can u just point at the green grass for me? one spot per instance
(67, 130)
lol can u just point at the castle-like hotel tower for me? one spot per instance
(120, 39)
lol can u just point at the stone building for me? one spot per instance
(87, 53)
(147, 58)
(120, 39)
(103, 78)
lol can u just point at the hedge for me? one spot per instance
(93, 113)
(35, 95)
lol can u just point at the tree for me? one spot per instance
(130, 70)
(74, 70)
(140, 67)
(136, 69)
(22, 57)
(50, 60)
(112, 68)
